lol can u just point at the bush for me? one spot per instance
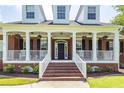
(109, 69)
(26, 69)
(9, 68)
(36, 69)
(98, 69)
(89, 69)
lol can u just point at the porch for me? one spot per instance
(80, 47)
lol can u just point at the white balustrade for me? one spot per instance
(81, 65)
(43, 65)
(16, 55)
(86, 55)
(105, 55)
(36, 55)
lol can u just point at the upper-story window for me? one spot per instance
(60, 12)
(30, 11)
(92, 13)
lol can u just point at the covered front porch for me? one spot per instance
(29, 47)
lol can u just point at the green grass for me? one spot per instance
(107, 82)
(16, 81)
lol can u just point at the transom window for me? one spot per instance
(30, 11)
(60, 12)
(92, 13)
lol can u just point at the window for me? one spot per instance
(60, 12)
(109, 45)
(43, 44)
(78, 45)
(121, 46)
(29, 11)
(91, 13)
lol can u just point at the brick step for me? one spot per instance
(61, 74)
(62, 79)
(61, 68)
(62, 71)
(62, 65)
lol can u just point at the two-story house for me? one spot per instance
(62, 48)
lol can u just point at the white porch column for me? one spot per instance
(116, 47)
(5, 45)
(27, 46)
(94, 46)
(74, 44)
(49, 44)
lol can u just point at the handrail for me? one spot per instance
(82, 66)
(43, 65)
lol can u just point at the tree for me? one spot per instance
(119, 19)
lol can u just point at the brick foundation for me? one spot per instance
(19, 66)
(105, 65)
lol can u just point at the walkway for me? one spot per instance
(53, 84)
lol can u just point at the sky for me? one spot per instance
(13, 13)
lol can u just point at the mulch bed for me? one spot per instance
(20, 75)
(104, 74)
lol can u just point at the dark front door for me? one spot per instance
(60, 51)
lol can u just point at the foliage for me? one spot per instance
(89, 69)
(9, 68)
(25, 69)
(109, 69)
(36, 69)
(119, 19)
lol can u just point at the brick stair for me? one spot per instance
(62, 72)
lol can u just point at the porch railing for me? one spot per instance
(86, 55)
(17, 55)
(36, 55)
(105, 55)
(81, 65)
(43, 65)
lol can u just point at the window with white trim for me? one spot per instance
(30, 12)
(60, 12)
(43, 44)
(79, 45)
(91, 13)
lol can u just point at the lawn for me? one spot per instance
(107, 82)
(16, 81)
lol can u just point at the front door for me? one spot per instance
(60, 51)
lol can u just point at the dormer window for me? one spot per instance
(91, 13)
(60, 12)
(30, 12)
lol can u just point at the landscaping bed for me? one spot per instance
(115, 81)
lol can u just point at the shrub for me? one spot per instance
(36, 69)
(26, 69)
(109, 69)
(89, 69)
(9, 68)
(98, 69)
